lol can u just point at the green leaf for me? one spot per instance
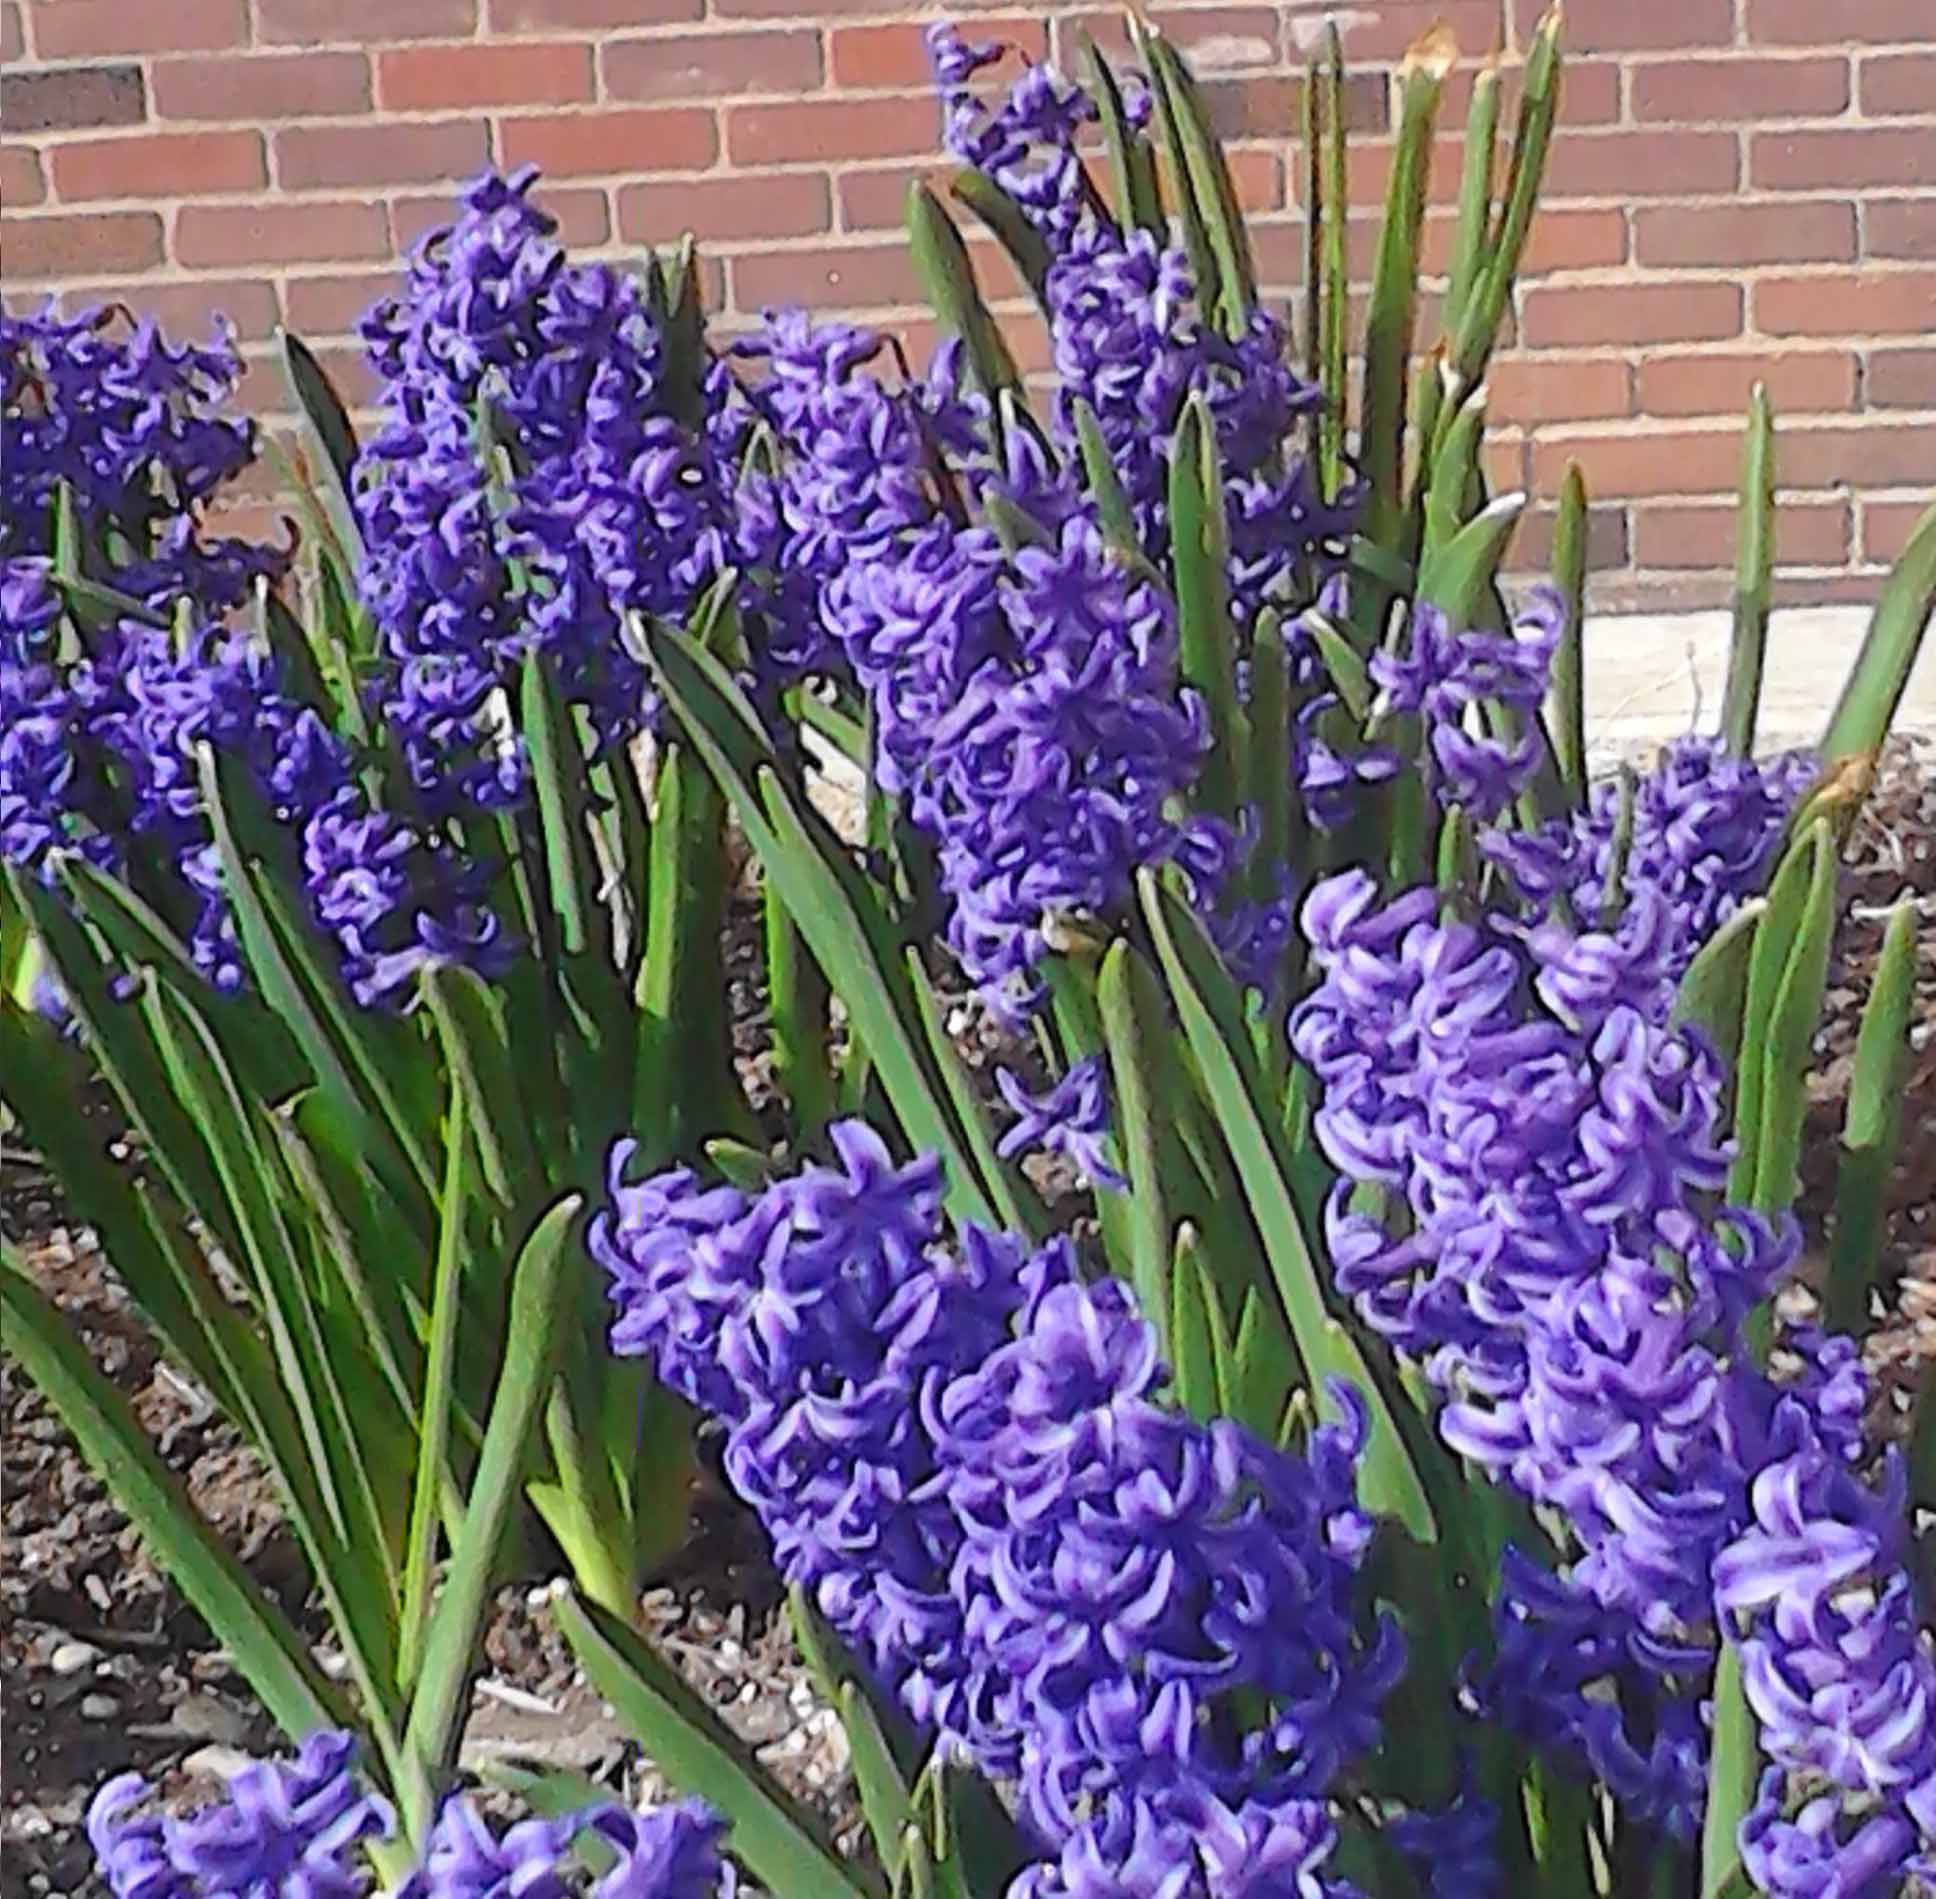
(1189, 209)
(797, 1005)
(329, 420)
(1394, 282)
(1872, 1126)
(1106, 488)
(1454, 476)
(1201, 1353)
(1568, 712)
(267, 1652)
(694, 1749)
(539, 1305)
(1134, 1031)
(1206, 638)
(1472, 234)
(1880, 675)
(1328, 276)
(476, 1041)
(1734, 1767)
(1459, 573)
(1342, 661)
(1263, 1368)
(563, 795)
(1132, 168)
(948, 278)
(1754, 563)
(1713, 991)
(1009, 223)
(1390, 1483)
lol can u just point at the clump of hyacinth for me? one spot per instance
(1547, 1240)
(1707, 827)
(537, 479)
(961, 1455)
(133, 425)
(300, 1828)
(99, 759)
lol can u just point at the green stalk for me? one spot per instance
(1332, 288)
(1569, 657)
(1754, 558)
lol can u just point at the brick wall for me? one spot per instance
(1741, 189)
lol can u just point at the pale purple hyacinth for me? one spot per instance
(1071, 1119)
(961, 1458)
(300, 1829)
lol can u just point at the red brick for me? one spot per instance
(876, 199)
(1876, 302)
(1532, 541)
(540, 16)
(1901, 379)
(264, 87)
(725, 210)
(1807, 534)
(80, 29)
(363, 22)
(191, 309)
(1869, 155)
(1625, 314)
(685, 66)
(1715, 234)
(1887, 454)
(1902, 83)
(97, 243)
(878, 58)
(1705, 462)
(1899, 227)
(850, 275)
(20, 179)
(1589, 94)
(13, 42)
(581, 144)
(1258, 182)
(1716, 382)
(412, 152)
(1886, 527)
(790, 9)
(1212, 39)
(824, 129)
(72, 98)
(1386, 32)
(1814, 23)
(333, 305)
(543, 72)
(1530, 391)
(1627, 26)
(279, 233)
(584, 218)
(1559, 240)
(1739, 85)
(1272, 107)
(265, 388)
(1648, 164)
(1028, 341)
(160, 165)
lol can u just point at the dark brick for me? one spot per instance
(72, 98)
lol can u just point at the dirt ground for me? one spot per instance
(105, 1668)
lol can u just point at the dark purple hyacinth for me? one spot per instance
(300, 1829)
(1071, 1119)
(961, 1456)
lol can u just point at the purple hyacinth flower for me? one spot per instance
(1071, 1119)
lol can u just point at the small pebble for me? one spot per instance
(71, 1657)
(99, 1707)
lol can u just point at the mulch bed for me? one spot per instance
(106, 1669)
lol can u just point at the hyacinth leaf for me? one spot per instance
(1485, 309)
(1247, 1116)
(1132, 166)
(1197, 248)
(475, 1038)
(346, 1050)
(948, 279)
(1192, 1356)
(1329, 286)
(1130, 1008)
(325, 1475)
(1713, 991)
(1204, 180)
(1472, 233)
(837, 910)
(253, 1039)
(739, 1165)
(797, 998)
(1453, 477)
(1458, 574)
(557, 775)
(258, 1639)
(1349, 674)
(1008, 222)
(1733, 1769)
(694, 1749)
(684, 331)
(1394, 282)
(1017, 1203)
(1880, 675)
(1786, 977)
(1263, 1367)
(539, 1304)
(1113, 511)
(94, 605)
(1270, 788)
(1754, 565)
(329, 420)
(93, 985)
(1568, 710)
(1871, 1125)
(433, 1416)
(1206, 638)
(44, 1081)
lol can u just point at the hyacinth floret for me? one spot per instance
(961, 1455)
